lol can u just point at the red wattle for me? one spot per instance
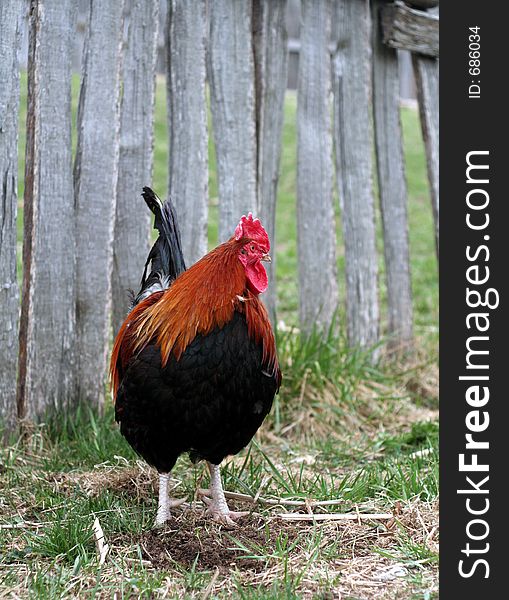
(257, 278)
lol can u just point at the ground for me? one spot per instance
(57, 484)
(344, 437)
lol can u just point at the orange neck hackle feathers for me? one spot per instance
(200, 299)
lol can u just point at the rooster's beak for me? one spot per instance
(266, 258)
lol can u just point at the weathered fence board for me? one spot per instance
(409, 29)
(132, 219)
(96, 173)
(426, 76)
(353, 135)
(392, 185)
(232, 99)
(270, 42)
(47, 326)
(187, 127)
(315, 216)
(10, 22)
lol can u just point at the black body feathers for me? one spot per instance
(210, 403)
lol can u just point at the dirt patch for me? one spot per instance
(190, 537)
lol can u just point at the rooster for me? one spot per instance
(194, 366)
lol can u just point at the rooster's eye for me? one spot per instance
(252, 248)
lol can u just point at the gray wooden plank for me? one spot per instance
(318, 291)
(95, 181)
(409, 29)
(392, 186)
(10, 34)
(353, 135)
(47, 326)
(232, 99)
(271, 65)
(187, 127)
(133, 221)
(426, 76)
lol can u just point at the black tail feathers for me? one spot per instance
(165, 259)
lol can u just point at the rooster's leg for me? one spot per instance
(165, 503)
(217, 506)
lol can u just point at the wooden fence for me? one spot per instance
(85, 233)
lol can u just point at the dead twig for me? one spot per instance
(335, 517)
(211, 585)
(22, 525)
(276, 501)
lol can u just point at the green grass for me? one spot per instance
(72, 472)
(61, 551)
(341, 429)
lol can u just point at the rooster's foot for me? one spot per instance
(219, 511)
(165, 515)
(216, 502)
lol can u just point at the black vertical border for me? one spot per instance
(465, 125)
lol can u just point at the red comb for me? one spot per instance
(252, 229)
